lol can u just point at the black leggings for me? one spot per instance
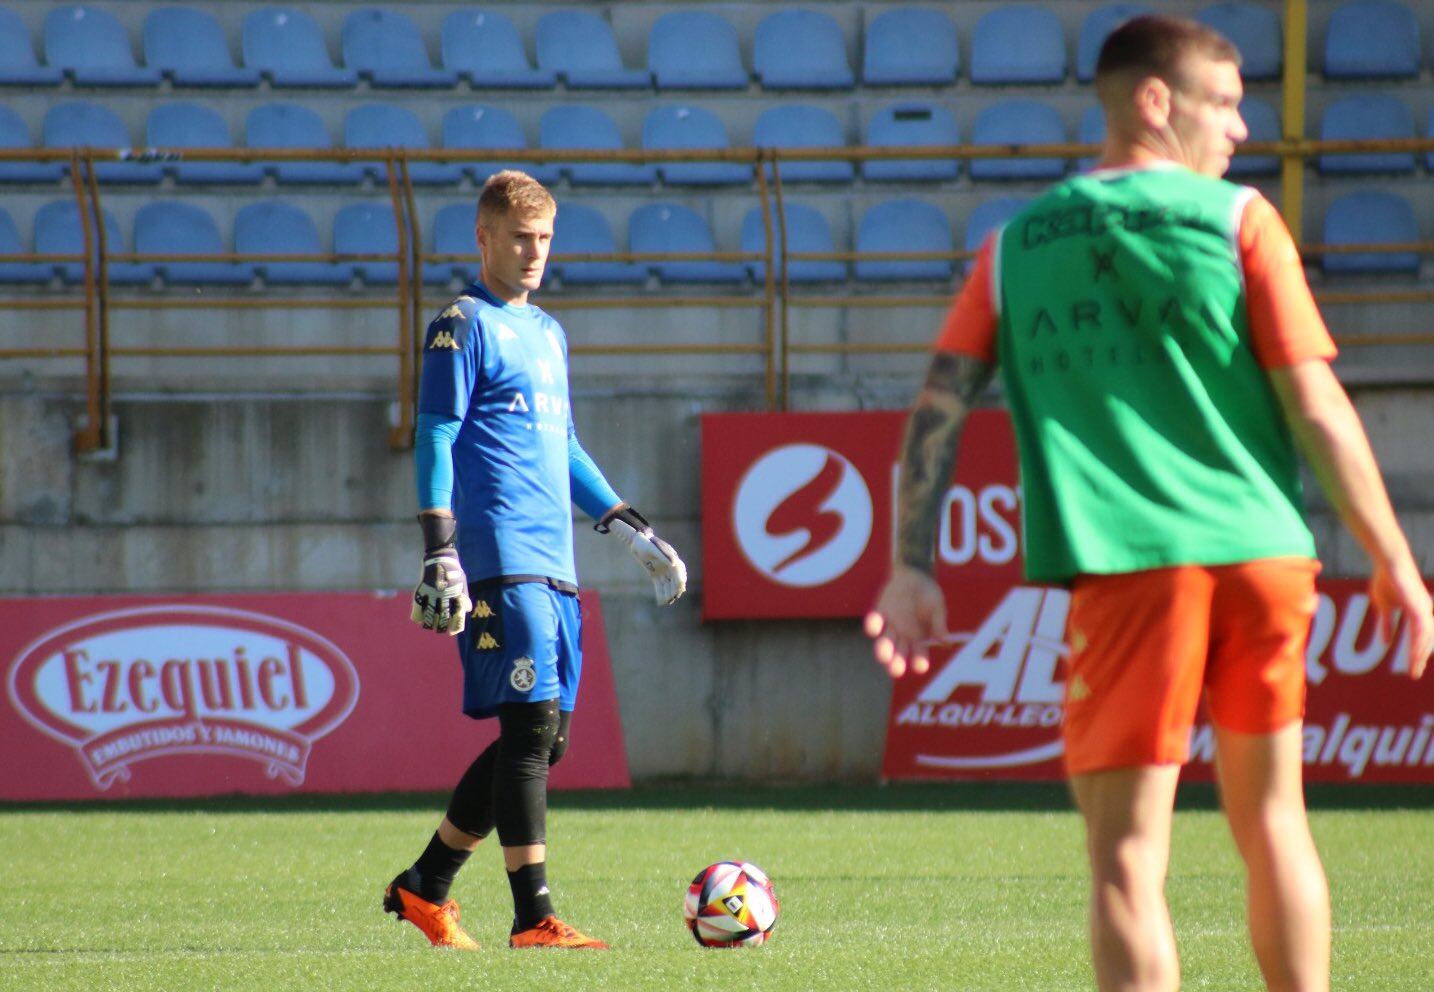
(507, 785)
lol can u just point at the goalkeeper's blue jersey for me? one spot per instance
(503, 370)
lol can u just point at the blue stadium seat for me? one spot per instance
(192, 125)
(1372, 39)
(578, 126)
(1369, 217)
(476, 126)
(1090, 131)
(91, 46)
(289, 125)
(12, 271)
(911, 46)
(18, 65)
(580, 47)
(484, 47)
(81, 124)
(800, 50)
(695, 49)
(581, 230)
(670, 227)
(904, 225)
(1098, 24)
(1366, 116)
(168, 227)
(14, 133)
(288, 46)
(1256, 32)
(807, 231)
(988, 215)
(1018, 122)
(911, 124)
(802, 126)
(368, 229)
(453, 234)
(386, 47)
(59, 231)
(386, 125)
(690, 127)
(1018, 44)
(1263, 121)
(189, 47)
(272, 227)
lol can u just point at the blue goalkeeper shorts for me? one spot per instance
(522, 644)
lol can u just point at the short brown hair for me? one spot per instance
(513, 192)
(1156, 45)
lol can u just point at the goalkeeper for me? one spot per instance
(498, 465)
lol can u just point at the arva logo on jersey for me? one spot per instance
(152, 681)
(802, 515)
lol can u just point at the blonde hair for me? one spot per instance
(513, 192)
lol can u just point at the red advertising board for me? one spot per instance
(125, 697)
(799, 514)
(798, 511)
(991, 705)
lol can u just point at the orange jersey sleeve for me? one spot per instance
(970, 326)
(1285, 325)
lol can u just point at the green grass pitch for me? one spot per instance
(896, 888)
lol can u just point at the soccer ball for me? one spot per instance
(731, 904)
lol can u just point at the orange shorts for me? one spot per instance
(1143, 645)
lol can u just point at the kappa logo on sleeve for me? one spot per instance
(443, 340)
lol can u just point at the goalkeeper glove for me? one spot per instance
(668, 574)
(440, 602)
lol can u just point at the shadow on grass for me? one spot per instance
(894, 797)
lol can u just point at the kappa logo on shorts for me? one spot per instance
(486, 641)
(482, 610)
(523, 677)
(1078, 690)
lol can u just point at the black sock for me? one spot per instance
(530, 895)
(436, 867)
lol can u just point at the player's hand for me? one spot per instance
(440, 601)
(656, 556)
(909, 616)
(1401, 590)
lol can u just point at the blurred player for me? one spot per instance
(498, 466)
(1159, 346)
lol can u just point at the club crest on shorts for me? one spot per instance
(523, 677)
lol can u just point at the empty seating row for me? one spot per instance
(700, 49)
(181, 125)
(169, 228)
(172, 228)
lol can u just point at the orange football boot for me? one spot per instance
(439, 922)
(553, 932)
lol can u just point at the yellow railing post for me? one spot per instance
(1292, 161)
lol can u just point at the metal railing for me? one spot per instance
(774, 301)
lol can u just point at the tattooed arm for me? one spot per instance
(911, 612)
(928, 450)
